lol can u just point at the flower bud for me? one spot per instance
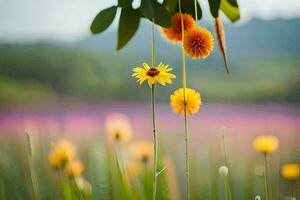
(223, 171)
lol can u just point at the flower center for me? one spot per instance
(152, 72)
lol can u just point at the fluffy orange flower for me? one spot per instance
(198, 42)
(174, 33)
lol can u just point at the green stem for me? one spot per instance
(228, 188)
(266, 176)
(154, 140)
(224, 149)
(196, 10)
(32, 171)
(153, 121)
(184, 100)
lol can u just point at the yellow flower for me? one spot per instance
(64, 150)
(290, 171)
(266, 144)
(118, 128)
(74, 168)
(134, 169)
(193, 101)
(154, 74)
(142, 151)
(54, 160)
(174, 33)
(198, 42)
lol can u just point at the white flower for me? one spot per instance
(257, 197)
(223, 171)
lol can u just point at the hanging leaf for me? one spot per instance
(147, 8)
(188, 7)
(124, 3)
(171, 6)
(233, 3)
(231, 9)
(162, 16)
(103, 20)
(152, 9)
(214, 6)
(128, 25)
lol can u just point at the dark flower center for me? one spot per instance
(152, 72)
(145, 159)
(117, 135)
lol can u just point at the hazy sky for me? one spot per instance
(70, 19)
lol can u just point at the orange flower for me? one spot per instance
(198, 42)
(175, 33)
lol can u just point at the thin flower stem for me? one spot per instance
(185, 111)
(33, 175)
(152, 52)
(153, 121)
(196, 10)
(224, 149)
(227, 179)
(266, 176)
(154, 140)
(228, 188)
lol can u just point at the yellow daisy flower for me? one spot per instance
(266, 144)
(158, 74)
(290, 171)
(193, 101)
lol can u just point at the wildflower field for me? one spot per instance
(71, 129)
(114, 145)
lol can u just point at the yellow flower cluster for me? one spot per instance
(266, 144)
(141, 154)
(290, 171)
(197, 42)
(63, 157)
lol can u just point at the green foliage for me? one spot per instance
(128, 25)
(103, 20)
(161, 13)
(214, 6)
(230, 9)
(45, 74)
(189, 7)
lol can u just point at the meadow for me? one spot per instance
(174, 109)
(112, 173)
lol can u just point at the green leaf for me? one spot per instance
(128, 25)
(231, 11)
(214, 6)
(152, 9)
(233, 3)
(170, 5)
(124, 3)
(188, 7)
(103, 20)
(162, 16)
(147, 8)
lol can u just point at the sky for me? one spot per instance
(69, 20)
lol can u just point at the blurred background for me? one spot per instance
(56, 79)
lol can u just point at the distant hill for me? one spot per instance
(257, 37)
(264, 59)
